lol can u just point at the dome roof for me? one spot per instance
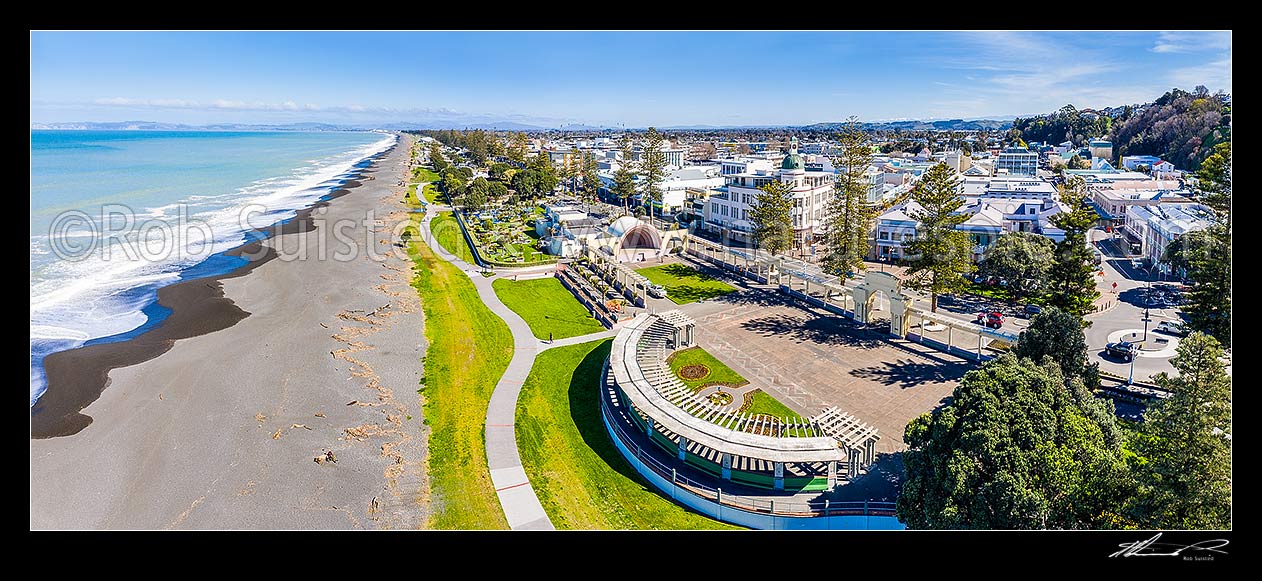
(792, 161)
(621, 225)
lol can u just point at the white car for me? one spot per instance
(1171, 328)
(657, 291)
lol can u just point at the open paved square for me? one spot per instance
(811, 359)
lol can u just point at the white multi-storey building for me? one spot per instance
(1156, 226)
(729, 207)
(1017, 161)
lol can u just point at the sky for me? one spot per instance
(632, 79)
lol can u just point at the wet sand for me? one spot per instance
(213, 420)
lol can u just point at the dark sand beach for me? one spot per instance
(213, 419)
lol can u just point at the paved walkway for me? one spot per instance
(517, 498)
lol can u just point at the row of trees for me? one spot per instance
(1025, 445)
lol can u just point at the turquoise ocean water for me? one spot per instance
(91, 278)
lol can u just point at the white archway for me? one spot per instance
(893, 288)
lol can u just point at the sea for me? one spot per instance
(116, 215)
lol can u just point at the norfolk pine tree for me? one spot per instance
(591, 176)
(653, 168)
(624, 176)
(1209, 303)
(941, 254)
(1183, 447)
(1071, 279)
(773, 227)
(849, 215)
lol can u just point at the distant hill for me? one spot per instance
(1179, 127)
(917, 125)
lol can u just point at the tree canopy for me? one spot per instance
(1180, 127)
(1013, 450)
(1209, 267)
(1023, 259)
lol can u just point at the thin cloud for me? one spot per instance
(1214, 75)
(1191, 41)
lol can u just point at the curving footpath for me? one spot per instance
(517, 497)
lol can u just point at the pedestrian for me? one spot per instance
(328, 455)
(549, 337)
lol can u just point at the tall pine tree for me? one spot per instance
(653, 169)
(624, 176)
(849, 214)
(591, 176)
(1209, 303)
(1071, 280)
(773, 226)
(1183, 449)
(941, 255)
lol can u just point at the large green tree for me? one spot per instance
(436, 159)
(1209, 303)
(849, 216)
(517, 148)
(1183, 449)
(1023, 259)
(477, 194)
(652, 169)
(548, 178)
(940, 254)
(624, 176)
(1071, 279)
(591, 177)
(770, 215)
(1057, 334)
(1013, 450)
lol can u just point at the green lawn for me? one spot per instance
(447, 232)
(581, 479)
(719, 373)
(429, 193)
(424, 174)
(685, 284)
(762, 403)
(547, 307)
(469, 348)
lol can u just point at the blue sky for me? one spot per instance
(606, 78)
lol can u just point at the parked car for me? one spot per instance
(1171, 328)
(1031, 310)
(1123, 349)
(991, 319)
(657, 291)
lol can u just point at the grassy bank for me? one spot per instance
(469, 349)
(580, 477)
(718, 372)
(446, 231)
(547, 307)
(685, 284)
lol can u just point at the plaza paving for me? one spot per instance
(811, 359)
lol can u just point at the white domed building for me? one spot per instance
(633, 240)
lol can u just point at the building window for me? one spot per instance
(885, 235)
(714, 207)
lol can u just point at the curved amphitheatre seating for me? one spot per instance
(668, 409)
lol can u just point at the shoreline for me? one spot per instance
(75, 378)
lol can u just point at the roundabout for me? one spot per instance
(1158, 345)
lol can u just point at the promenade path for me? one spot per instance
(517, 497)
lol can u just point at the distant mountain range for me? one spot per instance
(917, 125)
